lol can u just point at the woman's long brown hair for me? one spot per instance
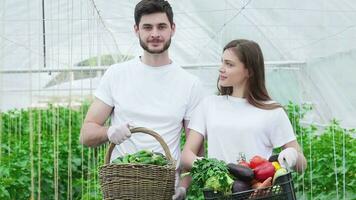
(250, 54)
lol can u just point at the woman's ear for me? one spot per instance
(249, 73)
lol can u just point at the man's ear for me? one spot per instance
(173, 29)
(136, 29)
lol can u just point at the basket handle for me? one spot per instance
(167, 152)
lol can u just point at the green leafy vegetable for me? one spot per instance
(209, 173)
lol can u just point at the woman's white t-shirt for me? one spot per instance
(232, 125)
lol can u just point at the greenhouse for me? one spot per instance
(54, 54)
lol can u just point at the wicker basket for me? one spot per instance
(138, 181)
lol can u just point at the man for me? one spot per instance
(149, 91)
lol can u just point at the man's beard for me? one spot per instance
(165, 47)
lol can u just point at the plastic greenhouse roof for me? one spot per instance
(319, 34)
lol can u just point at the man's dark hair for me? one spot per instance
(146, 7)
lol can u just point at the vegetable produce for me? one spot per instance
(276, 165)
(279, 172)
(239, 186)
(210, 173)
(260, 185)
(244, 163)
(256, 161)
(255, 184)
(241, 172)
(215, 184)
(143, 157)
(273, 158)
(264, 171)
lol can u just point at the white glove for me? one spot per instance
(118, 134)
(180, 194)
(198, 158)
(288, 157)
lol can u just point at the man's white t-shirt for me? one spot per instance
(158, 98)
(232, 125)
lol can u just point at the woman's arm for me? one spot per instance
(187, 131)
(191, 149)
(189, 155)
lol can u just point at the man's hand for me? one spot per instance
(118, 134)
(288, 157)
(180, 194)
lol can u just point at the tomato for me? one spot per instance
(256, 161)
(244, 163)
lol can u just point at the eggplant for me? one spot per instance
(273, 158)
(241, 172)
(239, 186)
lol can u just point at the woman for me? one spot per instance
(243, 117)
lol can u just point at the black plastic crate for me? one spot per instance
(283, 189)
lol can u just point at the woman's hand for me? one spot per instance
(293, 156)
(287, 158)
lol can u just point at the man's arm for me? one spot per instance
(93, 133)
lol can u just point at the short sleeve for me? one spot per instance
(103, 92)
(282, 130)
(198, 121)
(196, 95)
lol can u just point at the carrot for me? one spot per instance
(266, 183)
(260, 188)
(256, 184)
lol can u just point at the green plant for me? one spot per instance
(331, 160)
(41, 155)
(295, 113)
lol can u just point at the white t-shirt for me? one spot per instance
(158, 98)
(232, 125)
